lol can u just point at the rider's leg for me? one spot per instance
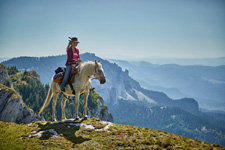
(66, 77)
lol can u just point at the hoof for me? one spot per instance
(64, 119)
(77, 119)
(86, 117)
(54, 120)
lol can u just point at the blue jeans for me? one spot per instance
(66, 76)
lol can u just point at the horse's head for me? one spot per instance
(99, 72)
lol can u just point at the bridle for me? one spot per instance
(101, 77)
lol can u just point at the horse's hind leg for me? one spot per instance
(55, 96)
(85, 104)
(63, 104)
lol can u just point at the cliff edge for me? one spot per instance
(12, 108)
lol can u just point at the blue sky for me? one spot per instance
(114, 29)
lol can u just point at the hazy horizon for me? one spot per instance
(218, 61)
(118, 57)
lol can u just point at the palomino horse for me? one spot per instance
(81, 85)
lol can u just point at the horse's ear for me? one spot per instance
(95, 62)
(98, 61)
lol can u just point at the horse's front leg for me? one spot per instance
(77, 105)
(85, 104)
(55, 96)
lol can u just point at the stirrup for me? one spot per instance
(63, 90)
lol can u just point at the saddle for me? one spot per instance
(60, 71)
(59, 74)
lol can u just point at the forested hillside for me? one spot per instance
(12, 107)
(170, 119)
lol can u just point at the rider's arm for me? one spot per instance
(69, 56)
(78, 58)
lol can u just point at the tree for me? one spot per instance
(12, 70)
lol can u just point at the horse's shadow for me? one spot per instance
(65, 129)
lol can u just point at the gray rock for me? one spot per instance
(12, 108)
(101, 111)
(4, 77)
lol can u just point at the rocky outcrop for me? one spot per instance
(4, 77)
(118, 85)
(12, 108)
(100, 110)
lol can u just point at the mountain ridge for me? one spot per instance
(217, 61)
(203, 83)
(119, 84)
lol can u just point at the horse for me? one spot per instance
(81, 84)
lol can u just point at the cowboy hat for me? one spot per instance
(73, 39)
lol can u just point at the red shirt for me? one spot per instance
(72, 56)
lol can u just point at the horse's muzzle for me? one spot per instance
(102, 81)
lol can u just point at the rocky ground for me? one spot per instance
(91, 134)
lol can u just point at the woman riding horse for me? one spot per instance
(73, 56)
(82, 80)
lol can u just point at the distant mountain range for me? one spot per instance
(179, 61)
(132, 104)
(4, 59)
(206, 84)
(119, 84)
(186, 61)
(203, 83)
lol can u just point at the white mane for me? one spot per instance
(84, 65)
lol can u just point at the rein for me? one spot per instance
(70, 98)
(67, 97)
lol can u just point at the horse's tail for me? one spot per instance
(47, 100)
